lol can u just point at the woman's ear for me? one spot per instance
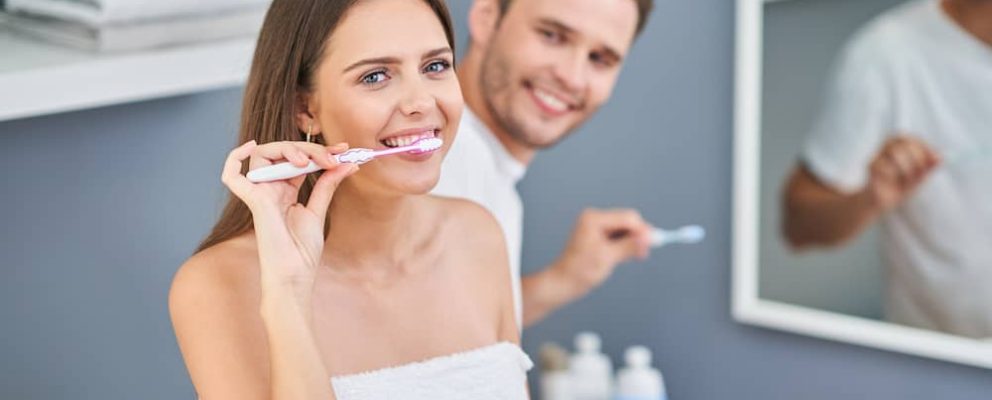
(483, 20)
(305, 115)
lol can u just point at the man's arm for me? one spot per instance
(544, 292)
(817, 215)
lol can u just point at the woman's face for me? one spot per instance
(386, 80)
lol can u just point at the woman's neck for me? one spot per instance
(373, 233)
(975, 17)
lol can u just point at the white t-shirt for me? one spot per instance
(480, 169)
(914, 70)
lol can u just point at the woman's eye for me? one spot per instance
(374, 78)
(437, 67)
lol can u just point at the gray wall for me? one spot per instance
(117, 198)
(802, 41)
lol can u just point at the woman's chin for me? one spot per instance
(415, 184)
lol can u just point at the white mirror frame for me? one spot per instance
(748, 307)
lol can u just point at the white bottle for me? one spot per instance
(591, 370)
(556, 383)
(638, 381)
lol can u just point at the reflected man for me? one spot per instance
(903, 139)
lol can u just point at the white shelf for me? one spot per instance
(37, 78)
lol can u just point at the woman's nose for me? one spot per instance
(416, 99)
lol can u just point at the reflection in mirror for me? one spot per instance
(876, 160)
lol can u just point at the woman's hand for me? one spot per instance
(290, 235)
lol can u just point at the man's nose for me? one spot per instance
(571, 71)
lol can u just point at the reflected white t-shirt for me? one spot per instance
(914, 70)
(480, 169)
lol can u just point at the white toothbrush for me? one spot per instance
(691, 234)
(282, 171)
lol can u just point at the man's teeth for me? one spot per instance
(550, 101)
(401, 141)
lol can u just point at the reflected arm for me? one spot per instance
(816, 215)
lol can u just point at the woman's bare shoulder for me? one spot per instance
(470, 221)
(227, 268)
(472, 234)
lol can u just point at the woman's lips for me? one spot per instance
(416, 157)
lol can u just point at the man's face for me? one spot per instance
(551, 64)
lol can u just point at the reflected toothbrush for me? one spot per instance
(286, 170)
(980, 153)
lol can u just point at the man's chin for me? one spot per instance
(543, 136)
(537, 132)
(539, 142)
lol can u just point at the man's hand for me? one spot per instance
(897, 171)
(601, 240)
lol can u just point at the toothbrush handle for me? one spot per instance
(281, 171)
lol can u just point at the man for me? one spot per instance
(534, 72)
(901, 141)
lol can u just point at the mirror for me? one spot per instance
(863, 173)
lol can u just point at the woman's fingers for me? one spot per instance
(231, 175)
(298, 153)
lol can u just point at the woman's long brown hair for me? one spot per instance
(289, 50)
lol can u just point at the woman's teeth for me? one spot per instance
(400, 141)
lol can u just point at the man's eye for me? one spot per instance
(551, 36)
(599, 60)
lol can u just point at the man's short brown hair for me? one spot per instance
(643, 11)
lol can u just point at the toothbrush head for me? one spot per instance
(426, 145)
(691, 234)
(356, 156)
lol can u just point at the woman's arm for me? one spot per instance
(213, 303)
(289, 241)
(241, 341)
(296, 370)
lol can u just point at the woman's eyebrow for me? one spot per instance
(436, 52)
(394, 60)
(373, 61)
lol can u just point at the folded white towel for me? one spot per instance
(102, 12)
(143, 35)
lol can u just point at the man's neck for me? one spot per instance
(975, 17)
(469, 73)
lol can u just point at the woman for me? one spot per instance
(368, 287)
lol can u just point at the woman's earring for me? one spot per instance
(309, 131)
